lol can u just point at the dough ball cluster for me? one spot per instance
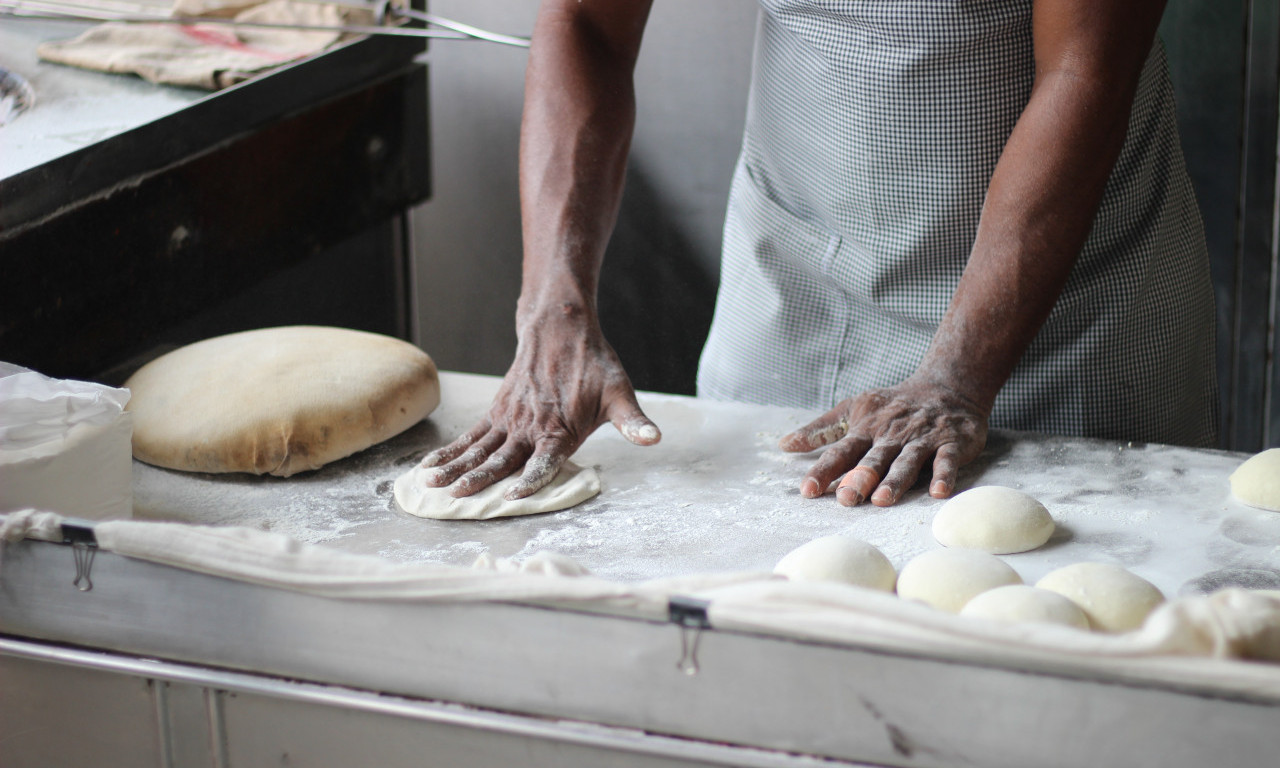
(993, 519)
(965, 576)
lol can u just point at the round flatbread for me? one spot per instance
(571, 486)
(279, 400)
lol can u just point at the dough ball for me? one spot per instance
(1021, 603)
(993, 519)
(1113, 599)
(839, 558)
(572, 486)
(279, 400)
(1257, 481)
(949, 578)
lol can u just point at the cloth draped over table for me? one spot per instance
(1208, 639)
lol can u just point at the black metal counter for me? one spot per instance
(279, 200)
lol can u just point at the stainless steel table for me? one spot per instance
(717, 495)
(163, 666)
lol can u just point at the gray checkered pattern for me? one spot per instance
(872, 130)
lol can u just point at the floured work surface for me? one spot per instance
(717, 495)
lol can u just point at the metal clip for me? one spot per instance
(691, 616)
(84, 545)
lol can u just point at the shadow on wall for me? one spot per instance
(655, 300)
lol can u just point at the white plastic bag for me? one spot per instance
(65, 446)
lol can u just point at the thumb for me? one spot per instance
(627, 418)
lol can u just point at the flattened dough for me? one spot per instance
(841, 558)
(994, 519)
(1257, 481)
(572, 486)
(278, 400)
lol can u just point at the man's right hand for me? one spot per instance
(564, 383)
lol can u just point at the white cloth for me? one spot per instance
(209, 56)
(1198, 639)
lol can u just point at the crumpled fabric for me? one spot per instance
(210, 56)
(1190, 639)
(29, 524)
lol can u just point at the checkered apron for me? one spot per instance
(872, 130)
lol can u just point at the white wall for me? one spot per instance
(691, 88)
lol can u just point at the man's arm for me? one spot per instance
(1039, 208)
(566, 380)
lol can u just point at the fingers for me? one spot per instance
(860, 481)
(630, 421)
(824, 430)
(500, 464)
(467, 460)
(946, 464)
(902, 474)
(885, 473)
(454, 450)
(856, 485)
(541, 468)
(834, 462)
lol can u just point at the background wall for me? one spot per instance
(662, 264)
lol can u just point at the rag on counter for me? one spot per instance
(211, 56)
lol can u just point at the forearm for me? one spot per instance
(565, 380)
(578, 119)
(1039, 209)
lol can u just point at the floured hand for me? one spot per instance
(881, 440)
(565, 382)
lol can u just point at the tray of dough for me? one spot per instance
(643, 626)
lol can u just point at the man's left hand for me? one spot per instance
(880, 440)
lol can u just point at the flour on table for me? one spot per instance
(572, 486)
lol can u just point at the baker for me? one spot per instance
(946, 215)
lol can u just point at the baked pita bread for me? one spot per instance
(279, 400)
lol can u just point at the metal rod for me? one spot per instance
(576, 733)
(456, 26)
(358, 29)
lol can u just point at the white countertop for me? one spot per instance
(717, 495)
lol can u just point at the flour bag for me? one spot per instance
(64, 446)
